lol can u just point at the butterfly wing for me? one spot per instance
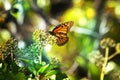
(63, 28)
(61, 39)
(60, 31)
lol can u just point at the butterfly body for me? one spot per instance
(60, 31)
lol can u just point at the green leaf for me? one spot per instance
(50, 73)
(60, 76)
(37, 66)
(8, 75)
(32, 69)
(43, 69)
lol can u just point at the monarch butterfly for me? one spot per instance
(60, 32)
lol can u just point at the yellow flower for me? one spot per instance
(43, 37)
(107, 42)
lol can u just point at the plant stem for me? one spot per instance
(104, 64)
(37, 78)
(40, 55)
(113, 55)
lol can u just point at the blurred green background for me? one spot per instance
(94, 20)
